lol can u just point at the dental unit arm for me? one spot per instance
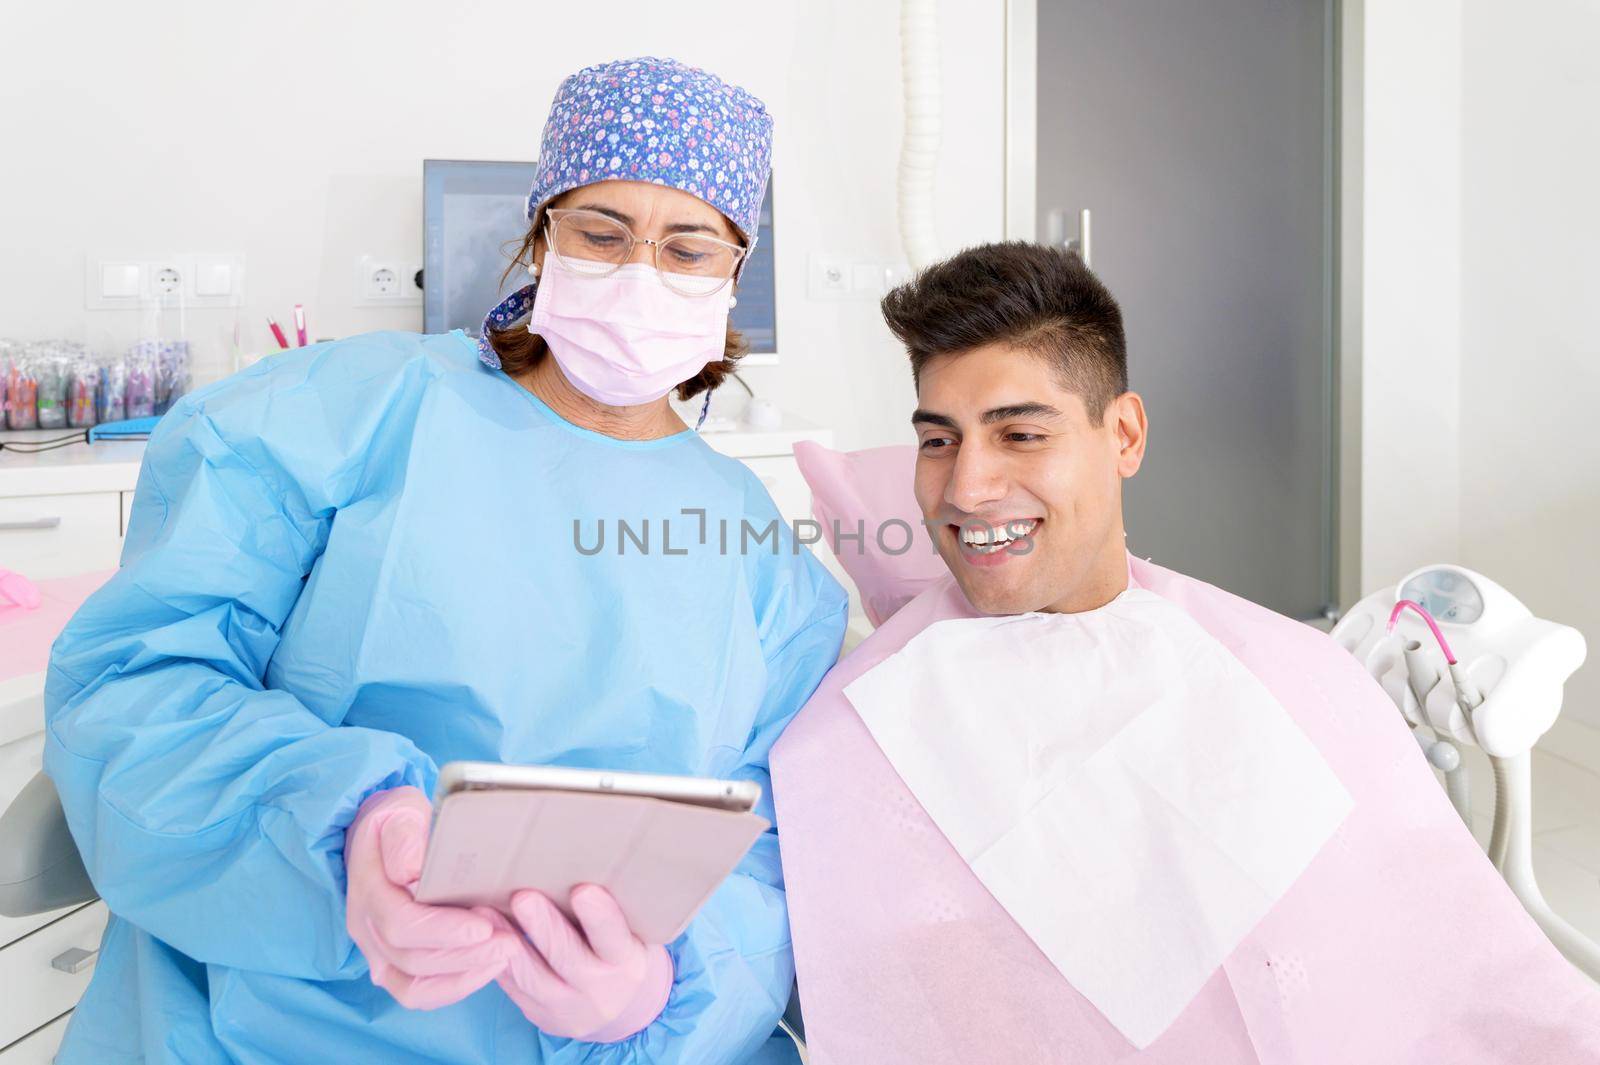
(1467, 663)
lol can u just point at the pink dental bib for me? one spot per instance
(1397, 945)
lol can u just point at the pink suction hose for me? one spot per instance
(1433, 626)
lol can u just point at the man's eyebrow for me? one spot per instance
(928, 416)
(1019, 410)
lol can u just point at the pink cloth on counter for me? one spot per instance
(26, 635)
(1399, 945)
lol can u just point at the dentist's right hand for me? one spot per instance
(425, 956)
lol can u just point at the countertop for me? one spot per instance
(101, 467)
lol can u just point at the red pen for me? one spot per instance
(300, 323)
(283, 341)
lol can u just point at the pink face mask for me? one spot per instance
(627, 338)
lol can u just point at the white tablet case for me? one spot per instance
(661, 860)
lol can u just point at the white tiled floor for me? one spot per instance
(1566, 819)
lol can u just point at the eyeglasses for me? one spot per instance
(591, 244)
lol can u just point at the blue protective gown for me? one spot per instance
(346, 566)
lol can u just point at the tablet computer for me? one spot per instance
(660, 845)
(740, 796)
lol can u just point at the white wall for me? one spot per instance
(1481, 369)
(1530, 362)
(1410, 288)
(294, 132)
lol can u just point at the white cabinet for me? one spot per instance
(61, 511)
(39, 1046)
(21, 752)
(45, 972)
(60, 535)
(46, 959)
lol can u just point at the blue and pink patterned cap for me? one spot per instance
(655, 120)
(660, 121)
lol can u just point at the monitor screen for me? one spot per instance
(756, 315)
(472, 223)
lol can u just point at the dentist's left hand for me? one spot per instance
(600, 984)
(425, 956)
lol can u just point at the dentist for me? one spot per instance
(354, 562)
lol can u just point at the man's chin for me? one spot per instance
(993, 593)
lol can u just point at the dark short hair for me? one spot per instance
(1042, 300)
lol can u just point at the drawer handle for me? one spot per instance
(74, 960)
(36, 523)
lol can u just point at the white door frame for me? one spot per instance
(1022, 112)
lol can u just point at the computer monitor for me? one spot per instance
(471, 226)
(472, 223)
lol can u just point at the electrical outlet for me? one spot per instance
(165, 280)
(828, 277)
(383, 281)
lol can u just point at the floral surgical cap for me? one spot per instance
(655, 120)
(660, 121)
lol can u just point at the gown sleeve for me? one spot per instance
(210, 811)
(734, 965)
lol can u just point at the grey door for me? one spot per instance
(1199, 135)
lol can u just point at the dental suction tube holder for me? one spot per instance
(1488, 674)
(1504, 689)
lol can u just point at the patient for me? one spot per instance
(1067, 805)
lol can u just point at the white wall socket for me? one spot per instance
(166, 280)
(386, 281)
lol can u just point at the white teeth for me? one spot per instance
(996, 536)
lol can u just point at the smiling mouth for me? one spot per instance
(982, 538)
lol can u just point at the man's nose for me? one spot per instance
(978, 478)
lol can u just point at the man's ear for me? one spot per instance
(1126, 413)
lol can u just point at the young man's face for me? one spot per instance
(1021, 489)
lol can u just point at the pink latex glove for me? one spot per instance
(599, 985)
(425, 956)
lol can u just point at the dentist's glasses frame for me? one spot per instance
(594, 245)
